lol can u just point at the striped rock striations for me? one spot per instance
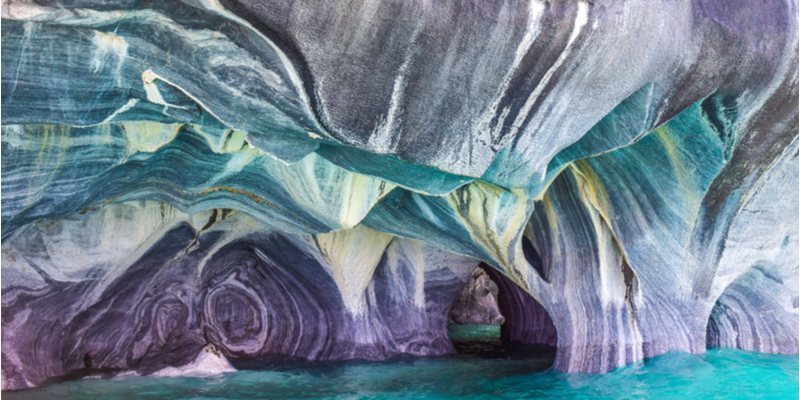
(320, 180)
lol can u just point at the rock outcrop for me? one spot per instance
(208, 362)
(476, 303)
(320, 180)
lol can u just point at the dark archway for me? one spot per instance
(476, 303)
(753, 313)
(519, 327)
(526, 321)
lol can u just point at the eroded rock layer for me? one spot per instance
(319, 180)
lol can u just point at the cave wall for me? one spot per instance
(175, 172)
(755, 320)
(526, 321)
(217, 277)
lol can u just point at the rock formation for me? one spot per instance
(476, 303)
(320, 180)
(144, 286)
(208, 362)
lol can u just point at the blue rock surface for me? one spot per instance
(320, 180)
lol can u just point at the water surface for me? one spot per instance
(718, 374)
(473, 332)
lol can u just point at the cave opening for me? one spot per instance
(747, 317)
(475, 315)
(492, 317)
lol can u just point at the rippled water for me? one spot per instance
(718, 374)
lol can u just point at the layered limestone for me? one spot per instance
(320, 180)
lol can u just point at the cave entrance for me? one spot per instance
(492, 317)
(754, 313)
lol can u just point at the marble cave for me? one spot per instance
(230, 180)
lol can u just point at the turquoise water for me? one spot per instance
(473, 332)
(719, 374)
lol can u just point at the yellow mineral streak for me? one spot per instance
(149, 136)
(109, 50)
(495, 220)
(343, 197)
(53, 142)
(360, 193)
(591, 188)
(110, 43)
(347, 197)
(153, 95)
(682, 167)
(227, 141)
(352, 256)
(257, 199)
(611, 253)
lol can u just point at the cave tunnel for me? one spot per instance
(493, 317)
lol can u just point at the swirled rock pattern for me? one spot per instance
(319, 180)
(217, 277)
